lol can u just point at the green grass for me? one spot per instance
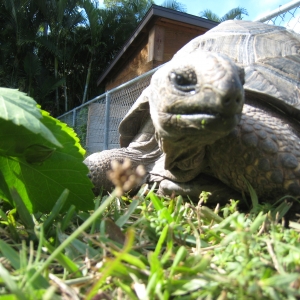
(149, 247)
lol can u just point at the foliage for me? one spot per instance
(138, 7)
(55, 50)
(235, 13)
(50, 49)
(39, 156)
(81, 128)
(173, 4)
(149, 247)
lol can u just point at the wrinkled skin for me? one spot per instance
(201, 135)
(193, 105)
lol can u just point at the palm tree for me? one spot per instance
(173, 4)
(19, 24)
(51, 48)
(60, 17)
(107, 31)
(138, 7)
(92, 23)
(235, 13)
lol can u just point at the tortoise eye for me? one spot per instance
(184, 81)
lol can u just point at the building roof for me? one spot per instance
(154, 13)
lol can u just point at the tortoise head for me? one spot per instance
(198, 95)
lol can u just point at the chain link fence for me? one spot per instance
(287, 15)
(96, 122)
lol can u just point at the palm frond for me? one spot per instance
(208, 14)
(49, 84)
(32, 64)
(49, 45)
(175, 5)
(93, 19)
(235, 13)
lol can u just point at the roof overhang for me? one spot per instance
(153, 13)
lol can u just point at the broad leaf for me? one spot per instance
(40, 172)
(20, 124)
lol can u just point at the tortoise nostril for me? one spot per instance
(238, 100)
(227, 101)
(231, 100)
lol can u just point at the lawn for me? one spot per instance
(150, 247)
(58, 242)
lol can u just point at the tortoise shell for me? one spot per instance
(269, 54)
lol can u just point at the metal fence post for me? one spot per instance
(107, 114)
(278, 11)
(74, 118)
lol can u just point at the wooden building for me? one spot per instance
(160, 34)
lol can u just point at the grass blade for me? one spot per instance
(10, 254)
(124, 218)
(22, 210)
(56, 209)
(74, 235)
(10, 283)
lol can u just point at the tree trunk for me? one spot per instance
(87, 80)
(56, 89)
(65, 76)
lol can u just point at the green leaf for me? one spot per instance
(208, 14)
(157, 203)
(164, 214)
(65, 261)
(10, 283)
(131, 259)
(210, 214)
(161, 240)
(261, 217)
(10, 254)
(40, 282)
(24, 214)
(37, 153)
(20, 124)
(5, 188)
(56, 209)
(180, 256)
(32, 64)
(8, 296)
(190, 286)
(77, 247)
(127, 289)
(40, 185)
(65, 135)
(235, 13)
(280, 280)
(67, 217)
(124, 218)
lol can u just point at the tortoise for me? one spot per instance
(223, 113)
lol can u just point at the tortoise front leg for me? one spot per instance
(220, 193)
(143, 150)
(99, 165)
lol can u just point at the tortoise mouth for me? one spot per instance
(198, 122)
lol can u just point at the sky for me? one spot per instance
(255, 8)
(221, 7)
